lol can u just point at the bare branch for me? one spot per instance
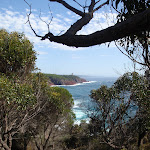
(60, 32)
(48, 24)
(4, 144)
(106, 3)
(50, 12)
(132, 26)
(114, 7)
(83, 21)
(50, 132)
(97, 2)
(78, 3)
(28, 21)
(78, 12)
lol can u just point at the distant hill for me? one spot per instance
(64, 79)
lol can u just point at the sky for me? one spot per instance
(54, 58)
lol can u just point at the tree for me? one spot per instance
(135, 46)
(131, 30)
(121, 117)
(25, 97)
(31, 105)
(17, 97)
(16, 54)
(14, 98)
(132, 25)
(54, 121)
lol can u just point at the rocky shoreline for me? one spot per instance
(64, 79)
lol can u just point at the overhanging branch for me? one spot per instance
(133, 25)
(136, 24)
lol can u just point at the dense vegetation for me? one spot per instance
(16, 54)
(34, 115)
(119, 121)
(124, 111)
(31, 112)
(64, 79)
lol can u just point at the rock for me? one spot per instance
(64, 79)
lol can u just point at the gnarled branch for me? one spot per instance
(137, 23)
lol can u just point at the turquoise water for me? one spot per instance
(81, 92)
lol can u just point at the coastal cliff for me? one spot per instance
(64, 79)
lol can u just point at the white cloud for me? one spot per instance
(28, 10)
(100, 21)
(9, 12)
(15, 21)
(68, 20)
(69, 13)
(58, 15)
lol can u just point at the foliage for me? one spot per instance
(121, 117)
(27, 102)
(63, 79)
(140, 92)
(81, 138)
(136, 46)
(15, 93)
(16, 53)
(30, 106)
(130, 8)
(55, 115)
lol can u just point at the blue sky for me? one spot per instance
(59, 59)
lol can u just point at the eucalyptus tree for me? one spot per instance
(16, 54)
(121, 116)
(26, 97)
(16, 95)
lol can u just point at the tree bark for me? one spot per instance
(131, 26)
(4, 145)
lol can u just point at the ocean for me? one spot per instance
(80, 93)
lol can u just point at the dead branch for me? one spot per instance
(78, 3)
(28, 21)
(78, 12)
(100, 6)
(48, 24)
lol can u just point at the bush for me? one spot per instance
(16, 53)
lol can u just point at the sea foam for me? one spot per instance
(77, 84)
